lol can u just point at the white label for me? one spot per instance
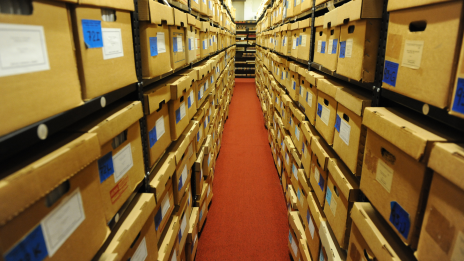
(160, 128)
(325, 115)
(191, 97)
(184, 174)
(295, 172)
(384, 175)
(294, 247)
(112, 43)
(284, 41)
(174, 256)
(297, 133)
(201, 92)
(311, 227)
(345, 130)
(287, 159)
(182, 110)
(209, 190)
(197, 40)
(303, 40)
(316, 174)
(190, 150)
(22, 49)
(160, 42)
(59, 224)
(319, 46)
(310, 99)
(183, 225)
(329, 50)
(122, 162)
(458, 250)
(180, 44)
(141, 253)
(165, 205)
(412, 54)
(349, 48)
(294, 44)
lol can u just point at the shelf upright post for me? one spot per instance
(376, 89)
(313, 35)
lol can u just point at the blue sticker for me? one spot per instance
(201, 214)
(31, 248)
(179, 186)
(342, 49)
(199, 95)
(328, 196)
(174, 44)
(153, 46)
(152, 136)
(301, 39)
(290, 237)
(92, 31)
(294, 3)
(308, 217)
(321, 182)
(178, 116)
(307, 94)
(198, 136)
(321, 256)
(189, 102)
(334, 46)
(105, 166)
(458, 104)
(337, 123)
(400, 219)
(297, 40)
(204, 47)
(319, 110)
(190, 44)
(210, 42)
(294, 85)
(158, 219)
(299, 194)
(390, 73)
(302, 150)
(283, 42)
(180, 235)
(282, 77)
(323, 47)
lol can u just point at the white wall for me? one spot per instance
(239, 10)
(246, 10)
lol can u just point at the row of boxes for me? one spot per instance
(212, 9)
(395, 177)
(55, 195)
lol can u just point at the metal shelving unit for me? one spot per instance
(248, 31)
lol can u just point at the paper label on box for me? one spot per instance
(190, 99)
(295, 171)
(182, 178)
(323, 113)
(23, 49)
(458, 103)
(329, 50)
(316, 174)
(458, 250)
(412, 54)
(349, 48)
(122, 162)
(180, 113)
(384, 175)
(161, 43)
(294, 44)
(297, 133)
(91, 31)
(141, 253)
(197, 43)
(284, 40)
(174, 256)
(160, 130)
(59, 224)
(390, 73)
(112, 43)
(294, 247)
(345, 130)
(400, 219)
(165, 205)
(310, 224)
(287, 159)
(190, 43)
(183, 225)
(331, 200)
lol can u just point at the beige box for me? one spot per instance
(203, 7)
(350, 135)
(110, 67)
(309, 132)
(178, 105)
(295, 33)
(308, 93)
(192, 238)
(183, 213)
(327, 108)
(411, 58)
(38, 90)
(204, 39)
(177, 35)
(395, 177)
(441, 232)
(314, 217)
(293, 89)
(304, 41)
(295, 128)
(320, 40)
(193, 39)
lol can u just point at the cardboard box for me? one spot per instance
(137, 231)
(320, 40)
(294, 81)
(295, 129)
(327, 108)
(330, 250)
(42, 88)
(195, 5)
(104, 67)
(293, 245)
(350, 135)
(204, 38)
(287, 148)
(295, 33)
(370, 236)
(203, 208)
(193, 39)
(342, 191)
(308, 132)
(457, 102)
(314, 217)
(288, 39)
(183, 214)
(304, 42)
(308, 92)
(319, 167)
(203, 7)
(198, 179)
(177, 33)
(192, 237)
(302, 194)
(178, 105)
(394, 175)
(169, 244)
(154, 40)
(414, 73)
(441, 234)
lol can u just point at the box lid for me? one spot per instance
(296, 225)
(294, 26)
(191, 73)
(381, 239)
(45, 174)
(308, 130)
(284, 27)
(319, 21)
(158, 12)
(161, 173)
(355, 10)
(180, 18)
(322, 151)
(120, 4)
(398, 4)
(168, 243)
(330, 244)
(305, 23)
(344, 179)
(315, 209)
(289, 143)
(191, 20)
(286, 99)
(303, 182)
(179, 84)
(205, 26)
(158, 94)
(297, 113)
(329, 87)
(447, 159)
(413, 136)
(353, 99)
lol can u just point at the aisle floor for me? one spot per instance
(247, 219)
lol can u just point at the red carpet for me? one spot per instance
(248, 215)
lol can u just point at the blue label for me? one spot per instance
(153, 46)
(294, 85)
(105, 166)
(179, 186)
(308, 217)
(301, 37)
(342, 49)
(199, 95)
(458, 104)
(210, 42)
(297, 40)
(282, 77)
(158, 219)
(400, 219)
(299, 194)
(31, 248)
(294, 3)
(323, 47)
(321, 182)
(321, 256)
(189, 102)
(204, 47)
(307, 94)
(286, 76)
(302, 150)
(178, 116)
(190, 44)
(152, 136)
(283, 42)
(92, 31)
(328, 196)
(390, 73)
(319, 110)
(180, 235)
(290, 237)
(174, 44)
(337, 123)
(198, 136)
(201, 214)
(334, 46)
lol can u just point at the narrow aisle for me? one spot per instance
(247, 219)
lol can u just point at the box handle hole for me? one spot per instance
(15, 7)
(346, 118)
(388, 156)
(351, 29)
(326, 102)
(417, 26)
(57, 193)
(108, 15)
(332, 32)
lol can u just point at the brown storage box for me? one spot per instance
(287, 42)
(193, 39)
(121, 167)
(327, 108)
(320, 40)
(370, 236)
(441, 234)
(62, 205)
(40, 88)
(178, 105)
(110, 67)
(329, 245)
(308, 93)
(293, 89)
(204, 38)
(304, 42)
(350, 135)
(411, 58)
(309, 132)
(394, 174)
(154, 40)
(192, 237)
(295, 33)
(177, 36)
(342, 191)
(170, 243)
(183, 213)
(136, 237)
(314, 217)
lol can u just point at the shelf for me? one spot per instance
(320, 68)
(245, 52)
